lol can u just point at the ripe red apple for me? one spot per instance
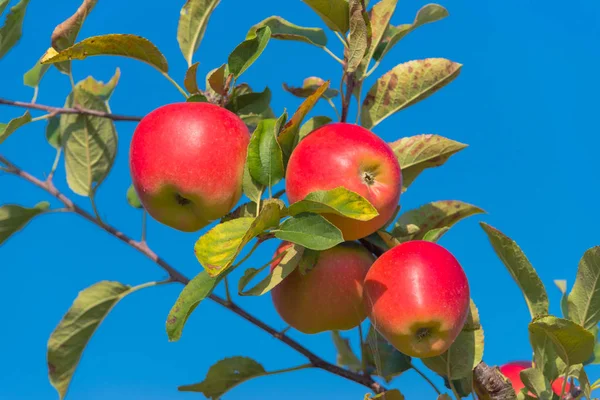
(342, 154)
(417, 297)
(329, 296)
(187, 162)
(512, 371)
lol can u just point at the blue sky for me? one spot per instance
(524, 102)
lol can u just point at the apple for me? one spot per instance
(187, 162)
(343, 154)
(512, 371)
(417, 297)
(329, 296)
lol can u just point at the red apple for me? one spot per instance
(512, 371)
(417, 297)
(187, 162)
(347, 155)
(329, 296)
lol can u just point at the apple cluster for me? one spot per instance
(187, 165)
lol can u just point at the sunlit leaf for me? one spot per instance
(573, 344)
(333, 12)
(359, 38)
(561, 284)
(191, 79)
(8, 129)
(265, 159)
(537, 383)
(584, 299)
(311, 125)
(285, 30)
(193, 20)
(247, 52)
(33, 77)
(311, 231)
(132, 198)
(100, 89)
(14, 217)
(339, 201)
(11, 31)
(381, 13)
(310, 87)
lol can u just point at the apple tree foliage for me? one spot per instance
(83, 133)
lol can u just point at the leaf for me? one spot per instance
(265, 159)
(250, 103)
(3, 4)
(33, 77)
(217, 249)
(130, 46)
(417, 153)
(245, 210)
(225, 375)
(444, 397)
(464, 354)
(67, 342)
(308, 261)
(416, 224)
(435, 234)
(53, 132)
(311, 231)
(561, 284)
(193, 20)
(584, 299)
(333, 12)
(381, 14)
(11, 31)
(427, 14)
(90, 143)
(339, 201)
(132, 198)
(311, 125)
(393, 394)
(252, 189)
(284, 30)
(573, 344)
(197, 98)
(247, 52)
(345, 355)
(13, 218)
(520, 269)
(284, 268)
(382, 358)
(544, 354)
(100, 89)
(310, 87)
(584, 383)
(199, 288)
(359, 38)
(190, 81)
(405, 85)
(8, 129)
(537, 383)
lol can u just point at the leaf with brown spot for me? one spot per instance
(190, 81)
(380, 16)
(309, 87)
(405, 85)
(359, 38)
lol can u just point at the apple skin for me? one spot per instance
(417, 297)
(342, 154)
(512, 371)
(187, 162)
(329, 296)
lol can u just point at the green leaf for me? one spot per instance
(284, 268)
(193, 20)
(464, 354)
(250, 103)
(435, 234)
(100, 89)
(246, 53)
(252, 189)
(595, 358)
(444, 397)
(309, 87)
(11, 31)
(544, 353)
(53, 132)
(382, 359)
(573, 344)
(245, 210)
(265, 159)
(132, 198)
(311, 125)
(67, 343)
(311, 231)
(359, 38)
(416, 224)
(381, 13)
(339, 201)
(393, 394)
(90, 143)
(65, 34)
(225, 375)
(405, 85)
(197, 98)
(537, 383)
(190, 81)
(561, 284)
(520, 269)
(427, 14)
(130, 46)
(584, 299)
(584, 383)
(333, 12)
(192, 294)
(345, 355)
(3, 4)
(33, 77)
(13, 218)
(284, 30)
(308, 261)
(8, 129)
(417, 153)
(217, 249)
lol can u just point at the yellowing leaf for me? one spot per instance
(339, 201)
(333, 12)
(381, 13)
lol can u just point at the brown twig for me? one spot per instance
(176, 276)
(63, 110)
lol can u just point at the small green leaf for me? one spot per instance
(359, 38)
(132, 198)
(197, 98)
(573, 344)
(520, 269)
(193, 20)
(311, 125)
(417, 153)
(246, 53)
(382, 359)
(265, 159)
(561, 284)
(11, 31)
(333, 12)
(311, 231)
(33, 77)
(308, 261)
(544, 354)
(250, 103)
(252, 189)
(537, 383)
(416, 224)
(225, 375)
(130, 46)
(14, 217)
(339, 201)
(345, 355)
(284, 30)
(8, 129)
(192, 294)
(435, 234)
(309, 87)
(191, 79)
(53, 132)
(584, 299)
(100, 89)
(381, 13)
(405, 85)
(217, 80)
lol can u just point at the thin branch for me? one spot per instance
(426, 378)
(336, 58)
(332, 104)
(62, 110)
